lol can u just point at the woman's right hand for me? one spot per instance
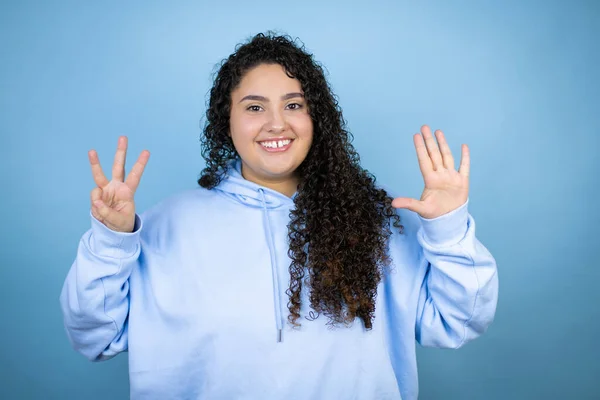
(112, 202)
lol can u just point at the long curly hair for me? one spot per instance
(340, 225)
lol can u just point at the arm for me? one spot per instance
(95, 296)
(459, 293)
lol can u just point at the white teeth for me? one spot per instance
(276, 143)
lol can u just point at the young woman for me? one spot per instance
(288, 274)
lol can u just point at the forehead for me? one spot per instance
(267, 78)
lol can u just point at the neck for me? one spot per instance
(286, 186)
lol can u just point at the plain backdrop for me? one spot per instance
(516, 80)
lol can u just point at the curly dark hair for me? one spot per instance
(340, 225)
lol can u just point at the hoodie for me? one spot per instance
(196, 295)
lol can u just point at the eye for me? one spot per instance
(254, 108)
(294, 106)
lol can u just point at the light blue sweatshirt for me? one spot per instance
(196, 295)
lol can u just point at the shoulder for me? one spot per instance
(180, 201)
(181, 206)
(178, 215)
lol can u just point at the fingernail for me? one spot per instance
(98, 203)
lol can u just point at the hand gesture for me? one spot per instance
(445, 188)
(112, 202)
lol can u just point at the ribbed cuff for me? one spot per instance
(447, 229)
(115, 244)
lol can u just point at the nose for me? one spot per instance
(276, 122)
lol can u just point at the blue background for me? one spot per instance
(516, 80)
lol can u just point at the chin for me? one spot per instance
(279, 171)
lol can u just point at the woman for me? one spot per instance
(288, 274)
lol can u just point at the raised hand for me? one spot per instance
(445, 188)
(112, 202)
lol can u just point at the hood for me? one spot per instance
(235, 186)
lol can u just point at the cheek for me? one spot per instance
(244, 128)
(304, 127)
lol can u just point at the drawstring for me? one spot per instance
(274, 269)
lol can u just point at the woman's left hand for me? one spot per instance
(445, 188)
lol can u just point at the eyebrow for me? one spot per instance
(264, 99)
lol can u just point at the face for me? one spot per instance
(270, 127)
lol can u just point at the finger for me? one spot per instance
(422, 155)
(432, 148)
(465, 161)
(97, 173)
(118, 171)
(447, 158)
(134, 177)
(408, 203)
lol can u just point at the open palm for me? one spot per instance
(113, 201)
(445, 188)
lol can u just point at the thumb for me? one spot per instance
(408, 203)
(101, 211)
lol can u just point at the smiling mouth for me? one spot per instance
(278, 145)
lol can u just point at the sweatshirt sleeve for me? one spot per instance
(458, 296)
(95, 295)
